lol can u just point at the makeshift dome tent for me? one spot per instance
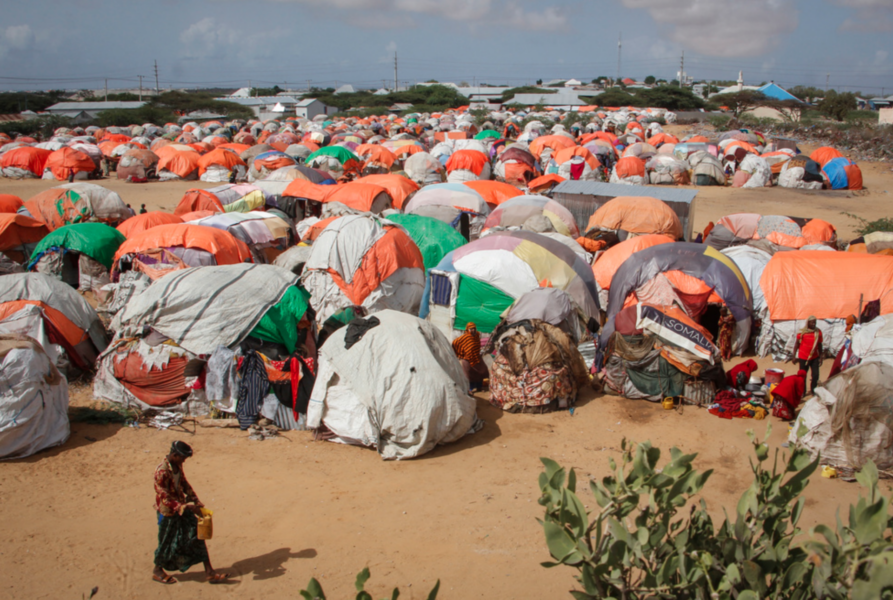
(827, 285)
(515, 166)
(801, 173)
(19, 235)
(229, 197)
(265, 234)
(178, 165)
(79, 254)
(848, 420)
(218, 166)
(494, 192)
(398, 389)
(733, 230)
(166, 248)
(706, 169)
(636, 215)
(140, 223)
(137, 164)
(537, 366)
(424, 169)
(27, 373)
(193, 312)
(77, 203)
(67, 317)
(447, 202)
(667, 170)
(654, 351)
(365, 261)
(467, 165)
(516, 211)
(261, 165)
(361, 196)
(792, 232)
(66, 163)
(825, 154)
(336, 160)
(377, 158)
(477, 282)
(689, 275)
(294, 258)
(843, 174)
(544, 146)
(575, 163)
(399, 187)
(10, 203)
(435, 239)
(609, 261)
(24, 162)
(876, 242)
(629, 170)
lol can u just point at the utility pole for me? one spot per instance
(156, 77)
(396, 86)
(619, 51)
(141, 87)
(308, 85)
(827, 81)
(106, 90)
(682, 70)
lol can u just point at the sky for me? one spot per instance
(78, 44)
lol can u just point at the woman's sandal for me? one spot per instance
(166, 580)
(218, 578)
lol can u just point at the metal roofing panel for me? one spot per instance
(598, 188)
(79, 106)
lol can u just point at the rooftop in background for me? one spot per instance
(79, 106)
(259, 100)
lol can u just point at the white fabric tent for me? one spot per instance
(399, 389)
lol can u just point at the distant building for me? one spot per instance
(311, 107)
(572, 83)
(266, 107)
(346, 89)
(244, 92)
(89, 110)
(885, 116)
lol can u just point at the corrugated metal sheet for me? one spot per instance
(79, 106)
(583, 198)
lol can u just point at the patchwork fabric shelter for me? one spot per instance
(516, 211)
(629, 215)
(77, 203)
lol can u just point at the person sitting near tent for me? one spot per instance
(726, 329)
(809, 351)
(739, 375)
(468, 350)
(143, 209)
(177, 507)
(787, 395)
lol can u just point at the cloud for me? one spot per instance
(880, 58)
(552, 18)
(870, 16)
(208, 36)
(723, 28)
(15, 38)
(381, 20)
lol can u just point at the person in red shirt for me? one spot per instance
(787, 395)
(468, 350)
(809, 351)
(178, 506)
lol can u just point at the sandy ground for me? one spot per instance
(289, 509)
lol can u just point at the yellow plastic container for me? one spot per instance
(829, 472)
(205, 525)
(668, 403)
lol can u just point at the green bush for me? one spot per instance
(837, 106)
(720, 122)
(641, 544)
(314, 590)
(122, 117)
(865, 226)
(42, 126)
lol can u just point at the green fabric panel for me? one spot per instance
(280, 323)
(479, 303)
(434, 238)
(666, 381)
(96, 240)
(340, 152)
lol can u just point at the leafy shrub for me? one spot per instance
(314, 590)
(866, 226)
(641, 545)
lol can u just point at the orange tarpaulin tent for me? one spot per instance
(358, 195)
(301, 188)
(494, 192)
(469, 160)
(375, 153)
(555, 142)
(181, 164)
(66, 161)
(565, 154)
(10, 203)
(197, 199)
(399, 187)
(608, 263)
(18, 230)
(227, 250)
(827, 285)
(140, 223)
(26, 158)
(825, 154)
(545, 181)
(221, 158)
(630, 166)
(637, 214)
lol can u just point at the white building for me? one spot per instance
(311, 107)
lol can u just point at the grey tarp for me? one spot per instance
(205, 307)
(400, 388)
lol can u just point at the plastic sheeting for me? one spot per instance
(33, 399)
(399, 389)
(205, 307)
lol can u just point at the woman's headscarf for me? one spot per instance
(807, 328)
